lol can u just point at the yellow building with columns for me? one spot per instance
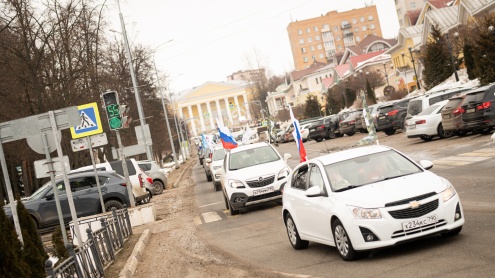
(228, 101)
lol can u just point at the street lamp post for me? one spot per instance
(385, 72)
(414, 66)
(452, 56)
(136, 90)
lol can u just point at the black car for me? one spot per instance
(479, 109)
(324, 128)
(41, 204)
(348, 125)
(392, 116)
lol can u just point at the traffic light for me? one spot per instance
(124, 115)
(111, 105)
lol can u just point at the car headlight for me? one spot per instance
(283, 173)
(448, 193)
(365, 213)
(236, 184)
(216, 167)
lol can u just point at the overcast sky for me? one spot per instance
(211, 38)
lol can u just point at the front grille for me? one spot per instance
(260, 183)
(401, 233)
(423, 209)
(264, 196)
(406, 201)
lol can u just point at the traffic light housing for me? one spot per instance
(124, 115)
(111, 105)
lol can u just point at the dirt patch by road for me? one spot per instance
(177, 247)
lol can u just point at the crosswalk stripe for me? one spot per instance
(452, 163)
(465, 158)
(211, 216)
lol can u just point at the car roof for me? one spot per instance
(350, 153)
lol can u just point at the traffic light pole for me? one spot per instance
(126, 171)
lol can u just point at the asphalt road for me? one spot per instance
(258, 234)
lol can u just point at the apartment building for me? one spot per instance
(319, 39)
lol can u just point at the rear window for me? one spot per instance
(117, 167)
(386, 109)
(453, 103)
(475, 97)
(428, 110)
(145, 166)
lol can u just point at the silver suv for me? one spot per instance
(154, 171)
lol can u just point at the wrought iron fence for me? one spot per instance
(98, 252)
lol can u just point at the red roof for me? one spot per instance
(296, 75)
(327, 82)
(413, 16)
(355, 60)
(342, 69)
(439, 3)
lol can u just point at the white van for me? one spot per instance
(136, 176)
(418, 104)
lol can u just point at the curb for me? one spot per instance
(180, 176)
(131, 265)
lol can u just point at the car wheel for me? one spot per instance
(389, 131)
(318, 140)
(485, 130)
(232, 210)
(461, 133)
(443, 133)
(201, 162)
(158, 187)
(226, 202)
(343, 242)
(208, 177)
(426, 137)
(351, 133)
(294, 239)
(218, 186)
(110, 204)
(453, 232)
(331, 135)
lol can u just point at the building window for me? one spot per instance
(305, 59)
(364, 28)
(354, 21)
(345, 22)
(358, 39)
(338, 38)
(336, 28)
(303, 50)
(308, 30)
(316, 29)
(340, 47)
(413, 5)
(361, 19)
(312, 48)
(370, 17)
(326, 26)
(313, 57)
(310, 39)
(321, 55)
(301, 41)
(317, 81)
(356, 29)
(299, 32)
(372, 26)
(317, 38)
(319, 46)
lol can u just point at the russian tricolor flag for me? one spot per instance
(297, 136)
(228, 141)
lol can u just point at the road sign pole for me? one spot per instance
(126, 171)
(88, 138)
(66, 179)
(9, 193)
(51, 172)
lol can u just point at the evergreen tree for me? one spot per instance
(485, 62)
(350, 95)
(436, 60)
(60, 251)
(469, 61)
(370, 93)
(11, 262)
(334, 100)
(312, 107)
(33, 252)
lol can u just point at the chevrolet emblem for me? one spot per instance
(414, 204)
(260, 179)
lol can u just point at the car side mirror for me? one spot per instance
(208, 160)
(426, 164)
(313, 191)
(287, 156)
(49, 197)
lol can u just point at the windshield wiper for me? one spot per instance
(346, 188)
(393, 177)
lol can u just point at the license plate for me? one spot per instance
(447, 116)
(381, 117)
(262, 191)
(411, 126)
(471, 110)
(413, 224)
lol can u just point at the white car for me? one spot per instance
(428, 123)
(253, 174)
(367, 198)
(215, 164)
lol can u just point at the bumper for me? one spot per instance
(216, 177)
(388, 231)
(413, 131)
(245, 197)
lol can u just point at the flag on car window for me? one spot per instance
(228, 141)
(297, 136)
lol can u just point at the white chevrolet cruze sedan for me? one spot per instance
(367, 198)
(253, 174)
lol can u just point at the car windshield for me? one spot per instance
(40, 192)
(218, 154)
(369, 169)
(251, 157)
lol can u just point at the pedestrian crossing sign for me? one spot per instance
(90, 121)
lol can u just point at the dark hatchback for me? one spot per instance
(324, 128)
(42, 208)
(479, 109)
(348, 125)
(392, 116)
(452, 115)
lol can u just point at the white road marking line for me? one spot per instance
(466, 158)
(454, 163)
(197, 221)
(212, 204)
(211, 217)
(477, 154)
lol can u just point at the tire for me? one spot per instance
(331, 135)
(294, 239)
(443, 133)
(426, 137)
(343, 242)
(226, 202)
(485, 131)
(351, 133)
(208, 177)
(461, 133)
(318, 140)
(112, 204)
(232, 210)
(453, 232)
(201, 161)
(389, 131)
(158, 187)
(218, 186)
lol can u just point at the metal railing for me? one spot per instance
(98, 252)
